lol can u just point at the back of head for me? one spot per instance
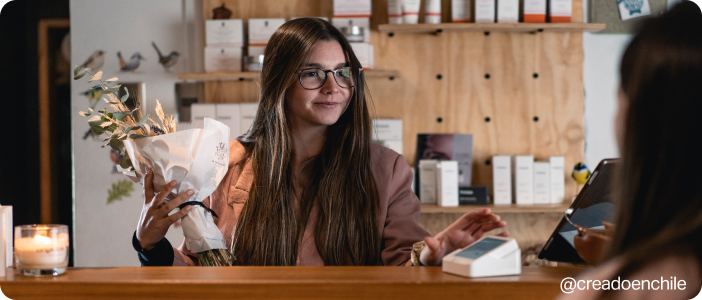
(660, 201)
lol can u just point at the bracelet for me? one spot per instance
(416, 251)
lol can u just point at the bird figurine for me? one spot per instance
(93, 94)
(95, 61)
(166, 61)
(581, 174)
(132, 64)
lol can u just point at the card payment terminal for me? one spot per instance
(489, 256)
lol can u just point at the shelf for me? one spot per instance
(508, 27)
(226, 76)
(513, 208)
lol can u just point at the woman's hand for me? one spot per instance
(466, 230)
(155, 221)
(591, 243)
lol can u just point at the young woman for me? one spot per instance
(658, 228)
(306, 185)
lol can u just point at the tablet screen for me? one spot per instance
(480, 248)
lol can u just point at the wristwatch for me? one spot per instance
(416, 251)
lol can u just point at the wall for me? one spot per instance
(103, 231)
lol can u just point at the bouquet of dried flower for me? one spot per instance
(197, 158)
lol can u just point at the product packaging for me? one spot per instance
(534, 11)
(461, 11)
(432, 12)
(228, 33)
(484, 11)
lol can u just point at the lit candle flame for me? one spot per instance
(42, 239)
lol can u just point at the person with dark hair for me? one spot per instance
(657, 238)
(306, 185)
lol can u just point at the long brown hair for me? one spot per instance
(659, 195)
(341, 186)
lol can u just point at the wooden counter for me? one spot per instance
(283, 283)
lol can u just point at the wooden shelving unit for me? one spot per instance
(504, 27)
(514, 208)
(228, 76)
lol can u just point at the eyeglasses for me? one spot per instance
(312, 79)
(567, 215)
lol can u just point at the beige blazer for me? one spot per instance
(399, 208)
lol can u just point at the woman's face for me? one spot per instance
(322, 106)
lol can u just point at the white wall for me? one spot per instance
(103, 232)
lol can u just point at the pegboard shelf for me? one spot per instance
(229, 76)
(504, 27)
(513, 208)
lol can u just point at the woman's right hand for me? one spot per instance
(155, 221)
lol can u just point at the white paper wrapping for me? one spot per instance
(198, 159)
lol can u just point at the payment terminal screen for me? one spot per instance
(480, 248)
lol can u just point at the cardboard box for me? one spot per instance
(557, 184)
(222, 59)
(523, 177)
(458, 147)
(427, 181)
(507, 11)
(388, 133)
(360, 22)
(542, 183)
(447, 183)
(534, 11)
(461, 11)
(484, 11)
(228, 114)
(394, 11)
(352, 8)
(502, 179)
(228, 33)
(261, 30)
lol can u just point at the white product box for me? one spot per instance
(248, 113)
(484, 11)
(460, 11)
(8, 234)
(394, 145)
(432, 12)
(502, 180)
(394, 11)
(354, 8)
(507, 11)
(198, 113)
(228, 114)
(360, 22)
(557, 179)
(534, 11)
(3, 247)
(260, 30)
(364, 53)
(542, 180)
(560, 11)
(447, 183)
(224, 33)
(523, 177)
(387, 129)
(256, 50)
(427, 181)
(222, 59)
(410, 11)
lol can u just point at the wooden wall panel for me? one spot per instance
(463, 97)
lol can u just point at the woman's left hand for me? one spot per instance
(466, 230)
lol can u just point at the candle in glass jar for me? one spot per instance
(42, 252)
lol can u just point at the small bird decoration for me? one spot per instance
(132, 64)
(581, 174)
(166, 61)
(93, 94)
(95, 61)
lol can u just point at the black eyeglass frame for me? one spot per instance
(299, 77)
